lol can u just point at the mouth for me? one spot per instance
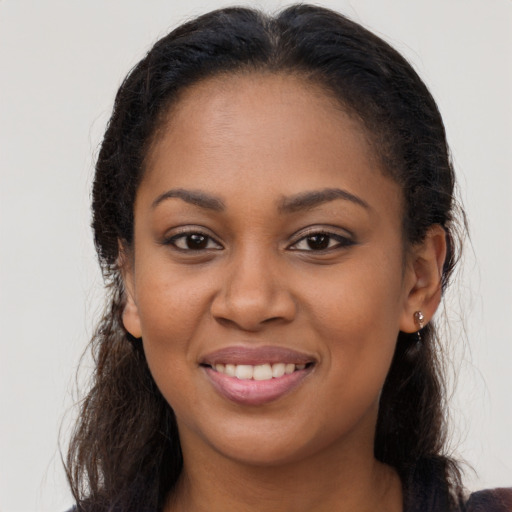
(258, 372)
(256, 376)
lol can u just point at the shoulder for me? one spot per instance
(491, 500)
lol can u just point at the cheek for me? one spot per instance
(170, 315)
(171, 311)
(169, 301)
(364, 294)
(357, 311)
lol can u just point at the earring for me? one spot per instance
(419, 318)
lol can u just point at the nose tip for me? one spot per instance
(248, 314)
(251, 298)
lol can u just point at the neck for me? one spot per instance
(324, 482)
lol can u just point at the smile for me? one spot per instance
(256, 375)
(258, 372)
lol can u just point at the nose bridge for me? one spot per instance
(253, 292)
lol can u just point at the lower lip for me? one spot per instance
(255, 392)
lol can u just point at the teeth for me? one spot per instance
(258, 372)
(278, 370)
(244, 371)
(229, 369)
(262, 372)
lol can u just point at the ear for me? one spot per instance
(131, 320)
(423, 278)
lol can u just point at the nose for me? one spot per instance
(254, 293)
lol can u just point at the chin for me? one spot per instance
(269, 442)
(258, 453)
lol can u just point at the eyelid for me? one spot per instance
(184, 231)
(344, 239)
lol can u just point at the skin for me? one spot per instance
(254, 144)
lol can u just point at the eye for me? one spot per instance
(321, 241)
(193, 241)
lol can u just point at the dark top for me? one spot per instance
(495, 500)
(426, 490)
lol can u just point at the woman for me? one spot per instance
(274, 216)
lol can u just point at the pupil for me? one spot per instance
(318, 242)
(196, 242)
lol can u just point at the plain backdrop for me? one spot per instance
(60, 65)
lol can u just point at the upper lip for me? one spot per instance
(255, 356)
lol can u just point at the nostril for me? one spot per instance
(269, 320)
(249, 303)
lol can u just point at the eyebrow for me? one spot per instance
(308, 200)
(194, 197)
(292, 204)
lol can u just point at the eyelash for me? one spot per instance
(340, 241)
(325, 237)
(184, 235)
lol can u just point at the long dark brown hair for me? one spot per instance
(125, 451)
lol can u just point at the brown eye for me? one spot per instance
(321, 241)
(318, 242)
(193, 242)
(196, 241)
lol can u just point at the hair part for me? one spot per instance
(125, 452)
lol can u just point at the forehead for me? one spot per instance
(231, 106)
(272, 132)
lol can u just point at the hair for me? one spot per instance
(125, 451)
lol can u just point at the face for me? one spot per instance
(268, 277)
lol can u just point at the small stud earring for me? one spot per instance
(419, 318)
